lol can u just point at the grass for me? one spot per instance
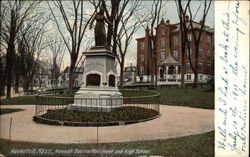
(21, 100)
(191, 97)
(199, 97)
(194, 145)
(26, 100)
(9, 110)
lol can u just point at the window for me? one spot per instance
(162, 42)
(142, 58)
(162, 55)
(188, 77)
(175, 41)
(190, 53)
(200, 41)
(200, 53)
(209, 68)
(176, 54)
(208, 55)
(141, 70)
(188, 67)
(162, 31)
(201, 77)
(200, 67)
(190, 38)
(142, 45)
(209, 40)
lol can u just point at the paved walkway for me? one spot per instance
(173, 122)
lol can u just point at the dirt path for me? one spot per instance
(173, 122)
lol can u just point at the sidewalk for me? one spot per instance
(173, 122)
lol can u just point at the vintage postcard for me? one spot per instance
(124, 78)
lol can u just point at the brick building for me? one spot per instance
(168, 53)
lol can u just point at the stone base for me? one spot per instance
(96, 99)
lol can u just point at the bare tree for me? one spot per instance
(114, 13)
(186, 26)
(197, 34)
(2, 69)
(30, 48)
(182, 13)
(126, 32)
(13, 15)
(155, 15)
(76, 26)
(57, 49)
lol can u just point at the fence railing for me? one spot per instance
(136, 105)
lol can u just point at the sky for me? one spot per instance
(169, 11)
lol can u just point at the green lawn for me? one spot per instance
(9, 110)
(26, 100)
(21, 100)
(194, 145)
(199, 97)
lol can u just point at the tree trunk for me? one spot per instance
(2, 80)
(121, 73)
(155, 73)
(25, 84)
(196, 66)
(2, 87)
(71, 73)
(17, 83)
(114, 39)
(9, 59)
(10, 53)
(182, 71)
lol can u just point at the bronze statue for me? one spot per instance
(100, 33)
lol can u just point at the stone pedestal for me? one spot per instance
(99, 89)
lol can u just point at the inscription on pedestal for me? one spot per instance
(93, 80)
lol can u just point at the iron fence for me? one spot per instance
(64, 109)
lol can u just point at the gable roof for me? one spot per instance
(169, 61)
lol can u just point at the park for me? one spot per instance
(96, 106)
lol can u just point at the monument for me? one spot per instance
(99, 89)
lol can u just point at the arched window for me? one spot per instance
(112, 80)
(93, 80)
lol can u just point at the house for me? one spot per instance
(129, 74)
(49, 79)
(63, 79)
(168, 54)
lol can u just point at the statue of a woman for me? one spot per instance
(100, 33)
